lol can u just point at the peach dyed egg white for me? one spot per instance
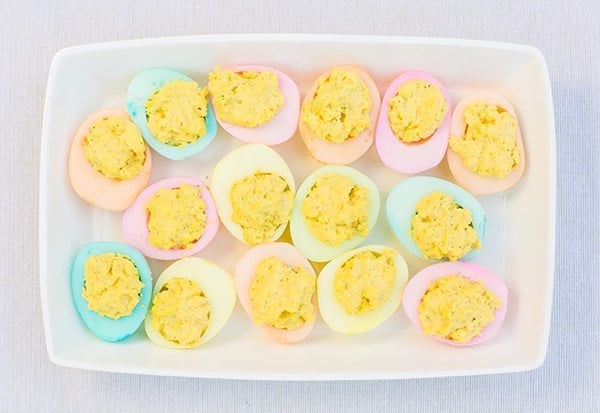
(339, 114)
(414, 123)
(289, 315)
(109, 164)
(471, 297)
(171, 219)
(487, 146)
(172, 112)
(255, 104)
(102, 275)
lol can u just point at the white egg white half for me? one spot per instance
(218, 287)
(333, 312)
(303, 239)
(238, 164)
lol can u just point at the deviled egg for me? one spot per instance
(193, 300)
(254, 192)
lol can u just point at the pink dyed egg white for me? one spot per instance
(350, 150)
(91, 185)
(418, 285)
(411, 158)
(283, 125)
(245, 272)
(469, 180)
(135, 220)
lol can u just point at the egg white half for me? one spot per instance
(333, 312)
(303, 239)
(218, 287)
(237, 165)
(402, 202)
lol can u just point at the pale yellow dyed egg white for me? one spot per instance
(333, 312)
(218, 287)
(235, 166)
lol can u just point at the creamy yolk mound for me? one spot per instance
(364, 283)
(176, 217)
(489, 147)
(111, 285)
(336, 209)
(247, 99)
(457, 308)
(341, 107)
(261, 203)
(115, 148)
(176, 113)
(181, 312)
(443, 229)
(416, 111)
(281, 296)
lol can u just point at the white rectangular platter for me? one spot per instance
(519, 243)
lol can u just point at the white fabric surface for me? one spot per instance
(566, 31)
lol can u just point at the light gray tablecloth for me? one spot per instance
(568, 34)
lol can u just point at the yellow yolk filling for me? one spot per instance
(181, 312)
(115, 148)
(111, 285)
(364, 283)
(457, 308)
(281, 296)
(489, 147)
(416, 111)
(261, 203)
(247, 99)
(176, 217)
(336, 209)
(176, 113)
(443, 229)
(341, 107)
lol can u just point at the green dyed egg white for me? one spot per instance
(333, 312)
(303, 239)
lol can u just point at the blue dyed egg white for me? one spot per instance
(106, 328)
(401, 206)
(143, 86)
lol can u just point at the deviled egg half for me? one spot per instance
(172, 218)
(486, 152)
(436, 220)
(109, 163)
(362, 288)
(276, 286)
(253, 189)
(111, 284)
(457, 303)
(193, 300)
(172, 112)
(414, 123)
(255, 104)
(339, 114)
(335, 209)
